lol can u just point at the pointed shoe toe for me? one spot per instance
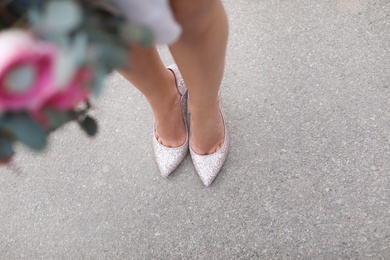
(168, 158)
(208, 166)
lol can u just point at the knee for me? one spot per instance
(195, 17)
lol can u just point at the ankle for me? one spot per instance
(166, 95)
(164, 104)
(207, 129)
(202, 107)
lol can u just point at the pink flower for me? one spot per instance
(26, 71)
(76, 92)
(67, 98)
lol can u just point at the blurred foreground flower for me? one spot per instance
(26, 71)
(51, 65)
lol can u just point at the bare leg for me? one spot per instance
(149, 75)
(200, 56)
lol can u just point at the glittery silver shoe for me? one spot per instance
(168, 158)
(208, 166)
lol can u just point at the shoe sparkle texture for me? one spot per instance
(168, 158)
(208, 166)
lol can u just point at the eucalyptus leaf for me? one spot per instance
(34, 16)
(100, 73)
(117, 57)
(63, 16)
(79, 48)
(5, 133)
(61, 40)
(26, 130)
(6, 150)
(57, 118)
(65, 67)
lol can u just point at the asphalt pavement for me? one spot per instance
(306, 95)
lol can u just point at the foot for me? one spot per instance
(207, 129)
(169, 122)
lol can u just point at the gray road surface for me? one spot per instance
(307, 98)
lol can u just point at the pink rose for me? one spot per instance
(26, 71)
(76, 91)
(67, 98)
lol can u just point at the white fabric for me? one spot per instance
(153, 14)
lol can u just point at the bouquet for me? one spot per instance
(54, 55)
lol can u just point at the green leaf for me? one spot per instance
(34, 16)
(118, 57)
(100, 73)
(65, 67)
(63, 16)
(6, 150)
(58, 118)
(5, 133)
(89, 125)
(25, 130)
(79, 47)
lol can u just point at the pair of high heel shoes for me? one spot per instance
(207, 166)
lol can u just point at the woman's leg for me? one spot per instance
(149, 75)
(200, 56)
